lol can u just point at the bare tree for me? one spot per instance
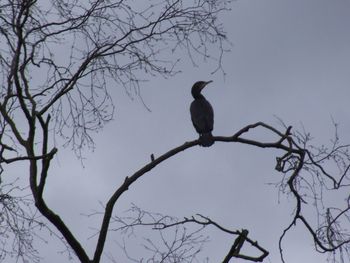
(58, 60)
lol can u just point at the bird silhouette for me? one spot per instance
(202, 114)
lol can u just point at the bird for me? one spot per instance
(202, 114)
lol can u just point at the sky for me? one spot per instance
(289, 59)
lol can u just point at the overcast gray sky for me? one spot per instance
(290, 59)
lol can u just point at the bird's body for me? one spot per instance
(202, 114)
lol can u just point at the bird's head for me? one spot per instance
(197, 88)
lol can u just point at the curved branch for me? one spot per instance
(155, 161)
(125, 186)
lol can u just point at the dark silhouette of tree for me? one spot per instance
(58, 61)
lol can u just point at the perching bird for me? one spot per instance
(202, 114)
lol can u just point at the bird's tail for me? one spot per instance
(206, 139)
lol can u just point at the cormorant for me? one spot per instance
(202, 114)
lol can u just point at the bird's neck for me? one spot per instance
(197, 94)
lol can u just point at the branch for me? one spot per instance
(30, 158)
(125, 186)
(130, 180)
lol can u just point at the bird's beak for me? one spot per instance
(203, 84)
(206, 83)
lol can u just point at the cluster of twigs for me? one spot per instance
(176, 240)
(18, 224)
